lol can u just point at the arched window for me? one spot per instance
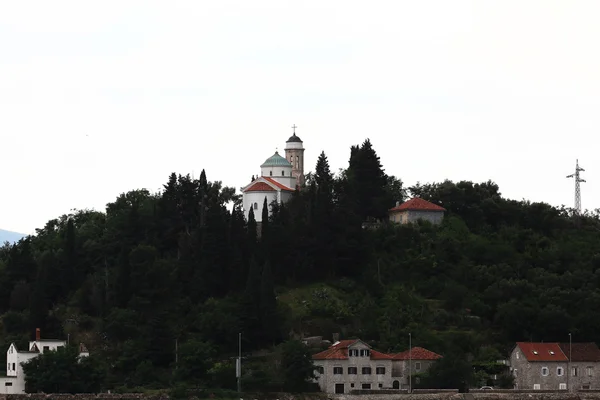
(396, 385)
(256, 206)
(297, 162)
(270, 173)
(282, 173)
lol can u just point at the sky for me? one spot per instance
(99, 98)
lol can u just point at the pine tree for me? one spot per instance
(264, 225)
(252, 230)
(269, 317)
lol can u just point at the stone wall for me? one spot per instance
(439, 395)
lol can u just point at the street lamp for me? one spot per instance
(409, 362)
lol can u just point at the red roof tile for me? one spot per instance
(339, 351)
(417, 204)
(542, 351)
(584, 352)
(279, 185)
(417, 353)
(260, 187)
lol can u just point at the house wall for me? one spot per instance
(582, 378)
(328, 380)
(249, 198)
(45, 345)
(400, 370)
(528, 374)
(435, 217)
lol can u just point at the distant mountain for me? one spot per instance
(8, 236)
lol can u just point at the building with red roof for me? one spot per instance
(353, 365)
(555, 366)
(416, 209)
(279, 178)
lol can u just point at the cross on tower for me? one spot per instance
(294, 127)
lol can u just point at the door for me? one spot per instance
(339, 388)
(396, 385)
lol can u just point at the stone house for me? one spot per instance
(14, 381)
(539, 366)
(416, 209)
(352, 365)
(584, 365)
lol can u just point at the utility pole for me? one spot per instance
(238, 365)
(578, 180)
(409, 362)
(569, 363)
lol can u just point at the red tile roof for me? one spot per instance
(337, 351)
(279, 185)
(542, 351)
(260, 187)
(417, 353)
(417, 204)
(584, 352)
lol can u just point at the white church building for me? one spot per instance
(279, 178)
(14, 381)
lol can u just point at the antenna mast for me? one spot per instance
(577, 186)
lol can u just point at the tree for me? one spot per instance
(62, 371)
(194, 361)
(297, 367)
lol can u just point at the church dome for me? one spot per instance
(294, 138)
(276, 161)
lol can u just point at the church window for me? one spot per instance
(297, 162)
(256, 206)
(270, 173)
(14, 367)
(282, 173)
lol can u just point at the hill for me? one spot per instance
(11, 237)
(178, 267)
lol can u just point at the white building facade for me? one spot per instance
(14, 381)
(279, 178)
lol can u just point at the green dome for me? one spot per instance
(276, 161)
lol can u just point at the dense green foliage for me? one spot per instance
(62, 371)
(183, 266)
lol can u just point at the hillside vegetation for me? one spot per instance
(157, 268)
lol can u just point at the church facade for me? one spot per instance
(279, 177)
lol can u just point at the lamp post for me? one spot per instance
(238, 369)
(569, 363)
(409, 362)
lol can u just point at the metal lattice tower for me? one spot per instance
(577, 186)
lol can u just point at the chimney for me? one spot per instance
(38, 334)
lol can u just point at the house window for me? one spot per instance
(366, 386)
(366, 370)
(418, 366)
(352, 370)
(590, 371)
(46, 348)
(270, 173)
(562, 386)
(574, 371)
(559, 371)
(352, 385)
(320, 370)
(14, 367)
(338, 371)
(380, 385)
(364, 353)
(8, 384)
(380, 370)
(536, 386)
(545, 371)
(256, 206)
(282, 173)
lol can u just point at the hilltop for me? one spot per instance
(157, 268)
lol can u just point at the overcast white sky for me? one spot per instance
(98, 98)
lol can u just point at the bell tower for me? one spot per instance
(294, 153)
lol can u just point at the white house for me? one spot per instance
(279, 178)
(14, 381)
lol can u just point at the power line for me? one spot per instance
(578, 180)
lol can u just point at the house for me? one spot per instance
(416, 209)
(279, 178)
(353, 365)
(14, 381)
(539, 366)
(584, 365)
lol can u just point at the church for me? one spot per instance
(279, 177)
